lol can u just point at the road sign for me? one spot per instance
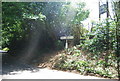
(103, 9)
(66, 37)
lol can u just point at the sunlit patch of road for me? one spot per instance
(45, 74)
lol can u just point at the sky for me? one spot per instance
(93, 6)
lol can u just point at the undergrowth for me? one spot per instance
(85, 63)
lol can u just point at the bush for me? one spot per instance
(75, 61)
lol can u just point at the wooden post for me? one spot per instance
(66, 44)
(107, 36)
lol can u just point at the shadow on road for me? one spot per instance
(14, 63)
(11, 64)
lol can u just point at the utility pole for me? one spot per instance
(107, 8)
(99, 9)
(107, 33)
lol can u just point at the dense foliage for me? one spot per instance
(76, 60)
(98, 43)
(37, 25)
(90, 56)
(99, 54)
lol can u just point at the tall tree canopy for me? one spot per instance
(39, 24)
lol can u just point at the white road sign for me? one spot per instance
(66, 37)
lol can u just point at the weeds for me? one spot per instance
(78, 61)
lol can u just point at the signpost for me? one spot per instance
(66, 38)
(103, 8)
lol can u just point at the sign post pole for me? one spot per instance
(66, 44)
(66, 38)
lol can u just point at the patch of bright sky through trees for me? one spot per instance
(93, 6)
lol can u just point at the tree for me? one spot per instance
(116, 7)
(38, 20)
(11, 22)
(15, 26)
(73, 15)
